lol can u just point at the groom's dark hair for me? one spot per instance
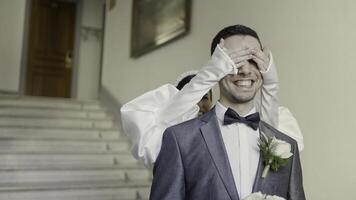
(230, 31)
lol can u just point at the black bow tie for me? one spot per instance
(251, 120)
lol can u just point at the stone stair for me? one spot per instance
(57, 149)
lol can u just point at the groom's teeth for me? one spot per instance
(244, 83)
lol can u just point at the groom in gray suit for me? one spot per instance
(216, 156)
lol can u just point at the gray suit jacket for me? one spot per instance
(193, 164)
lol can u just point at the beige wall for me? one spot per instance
(90, 46)
(12, 18)
(314, 47)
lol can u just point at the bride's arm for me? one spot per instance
(279, 117)
(146, 117)
(210, 74)
(269, 99)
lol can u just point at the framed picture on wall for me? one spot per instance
(158, 22)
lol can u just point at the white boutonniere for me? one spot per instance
(275, 153)
(260, 196)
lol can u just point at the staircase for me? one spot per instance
(56, 149)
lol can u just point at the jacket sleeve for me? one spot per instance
(296, 190)
(168, 173)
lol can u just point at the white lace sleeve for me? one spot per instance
(146, 117)
(269, 100)
(210, 74)
(289, 125)
(142, 124)
(279, 117)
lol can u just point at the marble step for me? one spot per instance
(50, 133)
(50, 103)
(55, 122)
(62, 146)
(57, 176)
(92, 166)
(64, 191)
(23, 186)
(65, 161)
(51, 113)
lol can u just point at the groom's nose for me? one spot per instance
(246, 69)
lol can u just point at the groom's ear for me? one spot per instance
(221, 88)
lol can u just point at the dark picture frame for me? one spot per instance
(158, 22)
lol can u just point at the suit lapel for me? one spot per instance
(259, 181)
(213, 139)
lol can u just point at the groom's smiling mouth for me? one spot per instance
(244, 83)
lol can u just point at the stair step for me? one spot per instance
(96, 166)
(113, 191)
(51, 113)
(47, 133)
(23, 186)
(45, 161)
(54, 176)
(55, 123)
(60, 149)
(50, 103)
(61, 146)
(49, 99)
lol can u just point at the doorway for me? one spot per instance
(50, 48)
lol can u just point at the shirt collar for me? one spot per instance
(221, 109)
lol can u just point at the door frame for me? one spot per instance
(24, 58)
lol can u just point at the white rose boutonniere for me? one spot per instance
(275, 153)
(274, 197)
(260, 196)
(255, 196)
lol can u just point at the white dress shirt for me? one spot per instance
(241, 144)
(145, 118)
